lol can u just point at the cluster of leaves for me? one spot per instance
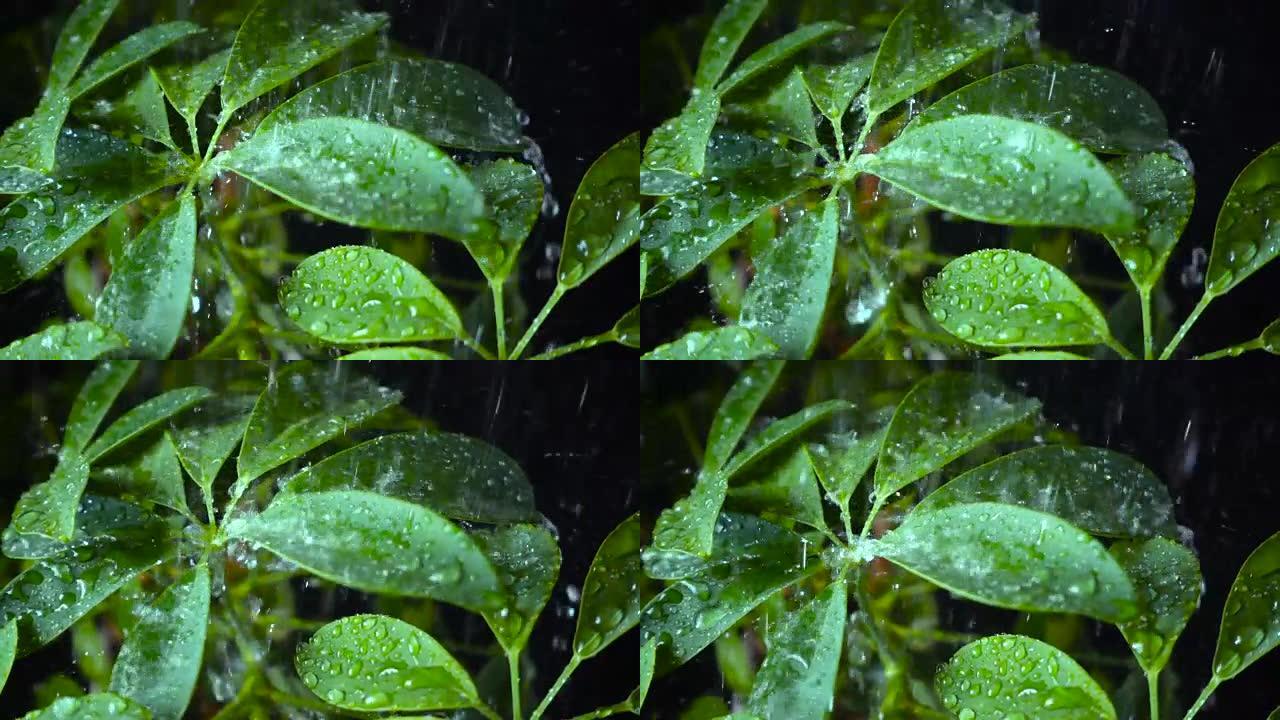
(360, 147)
(775, 200)
(1062, 529)
(117, 535)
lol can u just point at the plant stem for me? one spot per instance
(1204, 698)
(1148, 343)
(1121, 350)
(1153, 692)
(499, 318)
(242, 698)
(195, 138)
(1186, 326)
(477, 347)
(583, 344)
(866, 130)
(488, 712)
(556, 295)
(609, 711)
(847, 520)
(555, 689)
(513, 663)
(1233, 351)
(871, 518)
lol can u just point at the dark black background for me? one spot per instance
(571, 425)
(1210, 430)
(1210, 65)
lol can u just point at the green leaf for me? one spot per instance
(514, 192)
(943, 417)
(376, 544)
(281, 39)
(93, 401)
(780, 110)
(528, 562)
(1009, 172)
(1270, 337)
(457, 476)
(365, 295)
(778, 433)
(1097, 107)
(97, 175)
(8, 650)
(842, 471)
(626, 331)
(1012, 557)
(74, 341)
(604, 218)
(140, 113)
(303, 409)
(1167, 578)
(163, 652)
(1164, 192)
(147, 296)
(931, 39)
(400, 353)
(155, 477)
(129, 52)
(98, 706)
(96, 516)
(788, 297)
(1250, 624)
(1016, 675)
(1100, 491)
(752, 559)
(77, 38)
(359, 173)
(28, 147)
(726, 343)
(1008, 299)
(614, 592)
(797, 679)
(379, 663)
(205, 438)
(777, 52)
(784, 489)
(833, 87)
(445, 103)
(727, 32)
(737, 410)
(188, 86)
(1040, 355)
(48, 509)
(144, 417)
(676, 152)
(1247, 235)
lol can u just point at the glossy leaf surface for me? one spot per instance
(614, 592)
(97, 516)
(1167, 578)
(797, 679)
(727, 32)
(604, 219)
(82, 340)
(527, 560)
(28, 147)
(1247, 235)
(95, 398)
(841, 471)
(833, 87)
(514, 194)
(1250, 624)
(783, 488)
(131, 51)
(8, 650)
(676, 151)
(48, 509)
(780, 109)
(777, 52)
(144, 417)
(400, 353)
(140, 113)
(205, 438)
(155, 477)
(726, 343)
(77, 38)
(98, 706)
(778, 433)
(1164, 192)
(1040, 355)
(187, 87)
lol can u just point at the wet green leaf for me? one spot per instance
(281, 39)
(1098, 490)
(676, 152)
(359, 294)
(376, 544)
(797, 679)
(627, 330)
(788, 296)
(604, 219)
(1250, 624)
(1271, 338)
(943, 417)
(144, 417)
(379, 663)
(1097, 107)
(833, 87)
(147, 296)
(445, 103)
(514, 194)
(784, 489)
(1167, 579)
(724, 38)
(931, 39)
(74, 341)
(1275, 714)
(779, 433)
(997, 170)
(614, 592)
(1012, 557)
(28, 147)
(8, 650)
(206, 436)
(726, 343)
(842, 470)
(98, 706)
(93, 401)
(1019, 676)
(129, 52)
(362, 174)
(1008, 299)
(528, 562)
(737, 410)
(1164, 192)
(1040, 355)
(48, 509)
(304, 408)
(140, 112)
(1247, 235)
(779, 110)
(777, 52)
(188, 86)
(97, 516)
(155, 477)
(401, 353)
(77, 38)
(163, 652)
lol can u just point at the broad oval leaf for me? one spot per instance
(82, 340)
(77, 38)
(1250, 623)
(997, 170)
(604, 218)
(400, 353)
(1097, 107)
(676, 151)
(1167, 578)
(931, 39)
(163, 652)
(362, 174)
(144, 417)
(726, 343)
(97, 516)
(1012, 557)
(205, 437)
(376, 544)
(140, 113)
(95, 398)
(48, 509)
(281, 39)
(1009, 299)
(614, 592)
(1100, 491)
(188, 86)
(1247, 235)
(8, 650)
(28, 148)
(1018, 676)
(1165, 192)
(797, 679)
(943, 417)
(378, 663)
(727, 32)
(147, 296)
(365, 295)
(445, 103)
(129, 52)
(778, 51)
(527, 559)
(98, 706)
(514, 194)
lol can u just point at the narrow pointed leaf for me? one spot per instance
(162, 654)
(841, 471)
(188, 86)
(129, 52)
(97, 516)
(155, 477)
(1165, 192)
(379, 663)
(727, 32)
(205, 438)
(614, 592)
(785, 488)
(1247, 235)
(98, 706)
(94, 400)
(778, 51)
(833, 87)
(1040, 355)
(778, 433)
(144, 417)
(376, 544)
(8, 650)
(737, 411)
(1012, 557)
(527, 560)
(402, 353)
(1250, 624)
(140, 113)
(1167, 579)
(513, 192)
(75, 341)
(28, 148)
(48, 509)
(676, 152)
(780, 110)
(798, 676)
(726, 343)
(1017, 675)
(626, 331)
(77, 38)
(604, 219)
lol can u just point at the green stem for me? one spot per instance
(583, 344)
(195, 138)
(866, 130)
(1204, 698)
(847, 520)
(1233, 351)
(1186, 326)
(838, 127)
(242, 698)
(477, 348)
(609, 711)
(513, 664)
(871, 518)
(555, 689)
(488, 712)
(1153, 692)
(1121, 350)
(303, 703)
(223, 120)
(499, 318)
(1148, 343)
(556, 295)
